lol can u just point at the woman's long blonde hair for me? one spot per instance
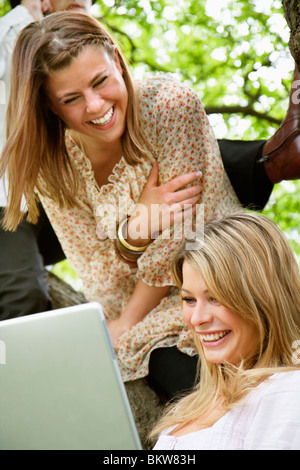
(249, 267)
(35, 156)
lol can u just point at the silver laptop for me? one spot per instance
(60, 386)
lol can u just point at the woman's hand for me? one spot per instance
(37, 8)
(116, 328)
(161, 207)
(144, 299)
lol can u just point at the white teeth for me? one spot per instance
(214, 337)
(105, 119)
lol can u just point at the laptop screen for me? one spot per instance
(60, 384)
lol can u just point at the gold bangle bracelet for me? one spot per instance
(120, 235)
(125, 255)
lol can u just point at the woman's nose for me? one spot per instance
(201, 314)
(94, 103)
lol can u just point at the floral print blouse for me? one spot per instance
(175, 122)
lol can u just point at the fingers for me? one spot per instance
(185, 209)
(168, 199)
(182, 180)
(185, 196)
(176, 183)
(34, 8)
(175, 215)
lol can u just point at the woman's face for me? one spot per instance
(90, 95)
(225, 336)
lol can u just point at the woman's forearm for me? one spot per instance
(144, 299)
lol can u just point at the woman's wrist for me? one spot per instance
(135, 244)
(130, 253)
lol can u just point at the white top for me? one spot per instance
(268, 420)
(10, 25)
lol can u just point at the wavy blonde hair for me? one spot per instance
(248, 266)
(35, 156)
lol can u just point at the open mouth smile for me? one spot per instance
(214, 337)
(104, 119)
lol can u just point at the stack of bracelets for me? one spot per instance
(128, 252)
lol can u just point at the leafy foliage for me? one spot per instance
(234, 54)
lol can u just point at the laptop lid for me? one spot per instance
(60, 386)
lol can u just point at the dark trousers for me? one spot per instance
(247, 176)
(171, 372)
(23, 255)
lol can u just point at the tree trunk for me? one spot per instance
(145, 404)
(292, 15)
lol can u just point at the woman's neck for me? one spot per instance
(103, 158)
(204, 421)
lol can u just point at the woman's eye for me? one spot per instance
(188, 300)
(212, 300)
(70, 100)
(99, 82)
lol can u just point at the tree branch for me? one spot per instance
(244, 110)
(101, 19)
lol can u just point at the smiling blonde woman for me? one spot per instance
(241, 298)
